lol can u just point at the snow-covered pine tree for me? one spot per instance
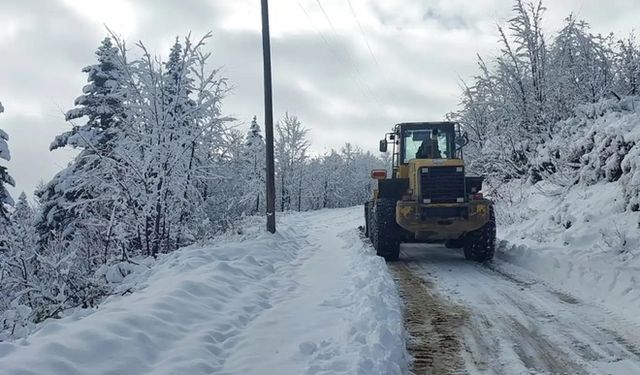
(78, 192)
(254, 166)
(177, 86)
(5, 178)
(101, 103)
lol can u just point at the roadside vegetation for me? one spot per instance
(554, 122)
(159, 166)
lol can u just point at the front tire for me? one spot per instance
(384, 229)
(480, 245)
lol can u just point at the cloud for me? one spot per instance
(330, 80)
(40, 74)
(447, 21)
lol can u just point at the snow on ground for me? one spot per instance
(512, 324)
(311, 299)
(584, 238)
(581, 241)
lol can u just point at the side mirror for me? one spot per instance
(463, 140)
(383, 145)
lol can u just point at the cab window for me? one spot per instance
(424, 144)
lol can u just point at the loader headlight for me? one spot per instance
(481, 209)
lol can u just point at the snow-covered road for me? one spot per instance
(506, 322)
(314, 299)
(311, 299)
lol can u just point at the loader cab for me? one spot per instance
(436, 141)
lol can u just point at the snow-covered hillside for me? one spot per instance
(312, 298)
(579, 227)
(582, 241)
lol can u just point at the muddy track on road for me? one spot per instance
(462, 317)
(432, 324)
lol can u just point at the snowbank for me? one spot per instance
(582, 241)
(600, 143)
(579, 227)
(310, 299)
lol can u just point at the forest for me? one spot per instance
(530, 111)
(158, 167)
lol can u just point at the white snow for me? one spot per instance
(581, 241)
(517, 324)
(312, 299)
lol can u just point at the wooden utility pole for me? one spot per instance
(268, 120)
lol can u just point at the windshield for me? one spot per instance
(427, 144)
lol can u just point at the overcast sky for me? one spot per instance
(340, 88)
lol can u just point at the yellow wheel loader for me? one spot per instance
(429, 198)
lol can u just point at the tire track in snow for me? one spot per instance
(431, 324)
(624, 333)
(516, 324)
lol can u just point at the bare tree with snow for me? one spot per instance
(291, 146)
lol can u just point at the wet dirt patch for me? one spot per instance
(510, 277)
(432, 323)
(622, 341)
(566, 298)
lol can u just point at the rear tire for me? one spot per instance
(384, 229)
(480, 245)
(366, 219)
(370, 220)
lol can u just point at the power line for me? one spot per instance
(366, 91)
(349, 58)
(326, 16)
(366, 41)
(317, 30)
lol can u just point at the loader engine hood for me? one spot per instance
(437, 180)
